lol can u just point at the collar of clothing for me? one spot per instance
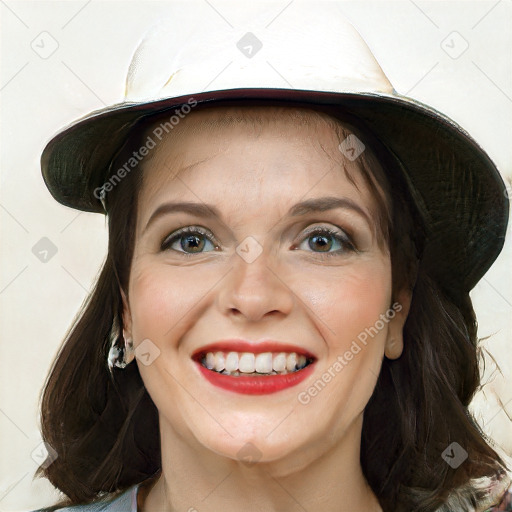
(124, 502)
(499, 499)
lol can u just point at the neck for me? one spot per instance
(196, 479)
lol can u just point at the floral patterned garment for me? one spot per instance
(505, 504)
(502, 491)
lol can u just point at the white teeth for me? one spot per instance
(279, 362)
(220, 362)
(263, 363)
(246, 363)
(210, 361)
(291, 362)
(232, 362)
(268, 363)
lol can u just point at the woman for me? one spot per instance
(276, 256)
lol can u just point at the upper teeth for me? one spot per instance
(247, 362)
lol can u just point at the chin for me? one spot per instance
(257, 438)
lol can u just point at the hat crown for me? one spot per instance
(308, 46)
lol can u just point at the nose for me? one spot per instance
(254, 290)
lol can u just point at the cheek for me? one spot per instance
(351, 300)
(162, 300)
(350, 307)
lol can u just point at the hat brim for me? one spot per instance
(459, 189)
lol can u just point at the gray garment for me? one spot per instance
(125, 502)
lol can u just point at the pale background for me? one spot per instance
(41, 93)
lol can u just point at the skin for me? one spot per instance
(307, 454)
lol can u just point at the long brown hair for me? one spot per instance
(105, 430)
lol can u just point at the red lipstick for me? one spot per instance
(253, 384)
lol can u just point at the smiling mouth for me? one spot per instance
(249, 364)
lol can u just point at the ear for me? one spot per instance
(127, 317)
(395, 339)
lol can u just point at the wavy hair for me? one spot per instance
(105, 430)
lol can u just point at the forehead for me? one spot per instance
(250, 152)
(205, 134)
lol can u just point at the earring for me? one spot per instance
(119, 357)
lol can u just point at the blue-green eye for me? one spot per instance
(194, 240)
(190, 240)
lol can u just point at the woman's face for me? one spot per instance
(263, 270)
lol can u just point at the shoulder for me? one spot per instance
(124, 502)
(484, 494)
(505, 504)
(501, 496)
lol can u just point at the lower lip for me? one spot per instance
(255, 385)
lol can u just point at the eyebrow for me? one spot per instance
(319, 204)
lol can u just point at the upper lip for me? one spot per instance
(240, 345)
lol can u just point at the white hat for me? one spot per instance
(314, 58)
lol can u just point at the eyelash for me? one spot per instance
(344, 239)
(346, 243)
(167, 242)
